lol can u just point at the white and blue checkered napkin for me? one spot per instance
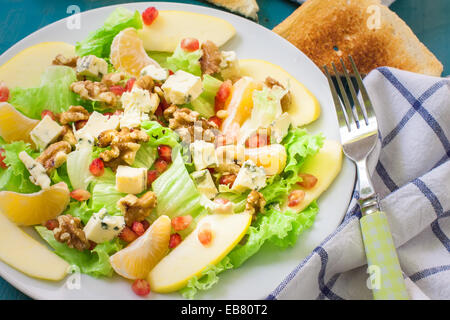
(385, 2)
(411, 173)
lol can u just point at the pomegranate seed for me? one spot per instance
(48, 113)
(295, 198)
(108, 114)
(211, 170)
(159, 112)
(2, 157)
(97, 168)
(51, 224)
(190, 44)
(216, 120)
(130, 83)
(221, 201)
(80, 195)
(308, 180)
(80, 124)
(205, 234)
(138, 228)
(165, 153)
(181, 222)
(171, 72)
(4, 92)
(117, 90)
(175, 240)
(161, 165)
(145, 224)
(257, 140)
(227, 179)
(128, 235)
(149, 15)
(222, 95)
(141, 287)
(92, 245)
(152, 175)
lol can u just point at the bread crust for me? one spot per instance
(247, 8)
(326, 30)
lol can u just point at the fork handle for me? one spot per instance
(385, 274)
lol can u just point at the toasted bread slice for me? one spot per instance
(326, 30)
(247, 8)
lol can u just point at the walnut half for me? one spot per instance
(70, 231)
(137, 209)
(255, 203)
(74, 114)
(55, 155)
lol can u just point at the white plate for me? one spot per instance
(264, 271)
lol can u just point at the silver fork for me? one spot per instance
(358, 129)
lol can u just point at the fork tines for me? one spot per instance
(346, 109)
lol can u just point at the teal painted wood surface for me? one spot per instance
(18, 18)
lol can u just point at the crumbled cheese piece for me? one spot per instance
(98, 123)
(102, 227)
(38, 175)
(91, 66)
(182, 87)
(279, 128)
(229, 65)
(137, 104)
(131, 180)
(45, 132)
(203, 154)
(249, 177)
(204, 182)
(155, 72)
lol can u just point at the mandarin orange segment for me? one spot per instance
(128, 53)
(14, 126)
(35, 208)
(240, 103)
(139, 258)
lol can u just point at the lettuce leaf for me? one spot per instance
(95, 262)
(99, 42)
(160, 57)
(61, 175)
(299, 145)
(105, 194)
(78, 163)
(16, 176)
(80, 210)
(54, 94)
(176, 192)
(159, 134)
(208, 278)
(145, 157)
(186, 61)
(205, 103)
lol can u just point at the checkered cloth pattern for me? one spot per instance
(411, 173)
(385, 2)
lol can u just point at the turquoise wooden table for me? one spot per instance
(428, 19)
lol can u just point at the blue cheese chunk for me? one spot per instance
(155, 72)
(91, 66)
(137, 105)
(96, 124)
(229, 65)
(204, 182)
(131, 180)
(45, 132)
(182, 87)
(102, 227)
(203, 154)
(249, 177)
(279, 128)
(38, 174)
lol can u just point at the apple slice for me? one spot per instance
(191, 257)
(25, 68)
(325, 166)
(171, 26)
(305, 108)
(27, 255)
